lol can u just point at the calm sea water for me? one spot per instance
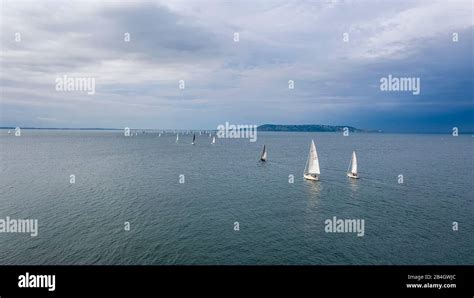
(136, 179)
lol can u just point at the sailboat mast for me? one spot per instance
(306, 166)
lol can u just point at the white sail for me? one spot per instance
(213, 140)
(177, 138)
(354, 163)
(312, 164)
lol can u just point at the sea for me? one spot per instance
(101, 198)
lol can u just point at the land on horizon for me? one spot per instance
(261, 128)
(264, 127)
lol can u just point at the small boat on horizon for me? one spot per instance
(213, 140)
(194, 139)
(263, 157)
(311, 170)
(353, 166)
(177, 138)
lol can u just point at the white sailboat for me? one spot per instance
(194, 139)
(213, 140)
(177, 138)
(353, 167)
(311, 170)
(263, 157)
(9, 132)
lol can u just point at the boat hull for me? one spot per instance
(312, 178)
(350, 175)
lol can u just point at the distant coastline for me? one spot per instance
(261, 128)
(264, 127)
(310, 128)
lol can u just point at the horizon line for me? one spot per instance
(194, 129)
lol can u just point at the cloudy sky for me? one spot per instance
(246, 82)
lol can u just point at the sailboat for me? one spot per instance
(177, 138)
(311, 170)
(213, 140)
(194, 139)
(353, 166)
(9, 132)
(264, 154)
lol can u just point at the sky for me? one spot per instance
(335, 52)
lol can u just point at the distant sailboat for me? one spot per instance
(9, 132)
(177, 138)
(213, 140)
(159, 135)
(194, 139)
(353, 166)
(311, 170)
(264, 154)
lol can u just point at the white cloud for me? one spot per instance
(401, 32)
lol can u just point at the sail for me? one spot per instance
(312, 164)
(264, 153)
(194, 138)
(177, 137)
(354, 163)
(213, 140)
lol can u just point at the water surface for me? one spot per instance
(136, 179)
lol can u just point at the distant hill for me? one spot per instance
(307, 127)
